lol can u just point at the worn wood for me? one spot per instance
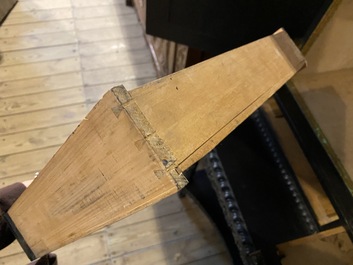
(197, 112)
(130, 150)
(329, 247)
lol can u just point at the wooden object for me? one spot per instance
(131, 149)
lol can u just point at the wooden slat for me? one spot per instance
(15, 18)
(36, 139)
(102, 11)
(329, 247)
(116, 59)
(93, 35)
(27, 162)
(12, 31)
(109, 46)
(87, 250)
(42, 119)
(17, 259)
(40, 101)
(40, 84)
(43, 40)
(119, 74)
(5, 181)
(169, 206)
(24, 6)
(106, 22)
(82, 3)
(149, 233)
(94, 93)
(22, 71)
(184, 251)
(39, 55)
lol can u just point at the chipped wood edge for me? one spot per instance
(158, 146)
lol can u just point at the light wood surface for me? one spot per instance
(130, 150)
(330, 247)
(194, 109)
(30, 138)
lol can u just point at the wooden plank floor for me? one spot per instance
(57, 59)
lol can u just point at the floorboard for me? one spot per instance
(58, 59)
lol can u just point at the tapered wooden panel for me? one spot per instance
(130, 150)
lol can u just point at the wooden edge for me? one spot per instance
(283, 246)
(154, 141)
(289, 50)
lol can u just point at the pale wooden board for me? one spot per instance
(95, 92)
(197, 112)
(168, 228)
(87, 250)
(17, 259)
(40, 101)
(37, 15)
(39, 54)
(5, 181)
(109, 46)
(187, 235)
(25, 6)
(221, 258)
(83, 3)
(102, 11)
(12, 31)
(13, 88)
(119, 75)
(310, 184)
(42, 119)
(43, 40)
(325, 249)
(22, 71)
(168, 206)
(106, 22)
(104, 187)
(22, 163)
(114, 59)
(92, 35)
(184, 251)
(35, 139)
(329, 98)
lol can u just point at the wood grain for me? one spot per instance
(197, 112)
(99, 179)
(125, 155)
(13, 88)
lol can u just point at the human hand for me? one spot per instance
(8, 195)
